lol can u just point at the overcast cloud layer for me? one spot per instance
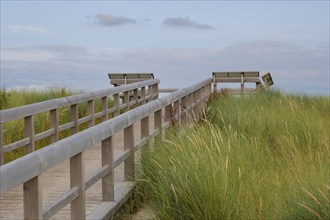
(294, 68)
(181, 42)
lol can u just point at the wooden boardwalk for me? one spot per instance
(56, 181)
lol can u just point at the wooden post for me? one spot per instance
(135, 97)
(90, 112)
(77, 179)
(145, 128)
(158, 121)
(29, 132)
(242, 85)
(2, 161)
(32, 190)
(177, 113)
(155, 91)
(184, 109)
(74, 118)
(214, 85)
(143, 94)
(126, 101)
(129, 145)
(105, 108)
(108, 193)
(168, 113)
(54, 124)
(145, 132)
(116, 104)
(150, 93)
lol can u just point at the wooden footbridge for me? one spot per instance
(90, 174)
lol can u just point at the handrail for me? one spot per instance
(32, 109)
(27, 169)
(29, 111)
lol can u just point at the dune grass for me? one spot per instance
(14, 130)
(266, 156)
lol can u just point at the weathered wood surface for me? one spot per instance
(56, 181)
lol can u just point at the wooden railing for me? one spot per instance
(132, 94)
(179, 107)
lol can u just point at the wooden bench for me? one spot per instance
(233, 77)
(118, 79)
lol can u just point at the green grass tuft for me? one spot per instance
(264, 156)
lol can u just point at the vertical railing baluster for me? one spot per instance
(54, 125)
(158, 122)
(184, 110)
(77, 179)
(90, 112)
(143, 94)
(105, 108)
(108, 193)
(116, 104)
(74, 118)
(129, 145)
(32, 193)
(29, 133)
(150, 93)
(177, 113)
(126, 100)
(2, 160)
(135, 97)
(155, 91)
(169, 113)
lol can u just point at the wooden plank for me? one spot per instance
(155, 91)
(107, 161)
(77, 179)
(95, 177)
(106, 210)
(60, 203)
(16, 145)
(66, 126)
(121, 157)
(44, 134)
(32, 199)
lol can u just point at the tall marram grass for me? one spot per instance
(14, 130)
(266, 156)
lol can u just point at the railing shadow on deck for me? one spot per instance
(27, 170)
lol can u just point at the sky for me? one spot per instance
(75, 44)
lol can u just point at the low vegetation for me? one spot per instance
(14, 130)
(266, 156)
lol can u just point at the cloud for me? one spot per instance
(110, 20)
(185, 22)
(26, 29)
(293, 67)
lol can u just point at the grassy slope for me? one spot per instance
(14, 130)
(261, 157)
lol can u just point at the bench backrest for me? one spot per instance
(236, 74)
(118, 79)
